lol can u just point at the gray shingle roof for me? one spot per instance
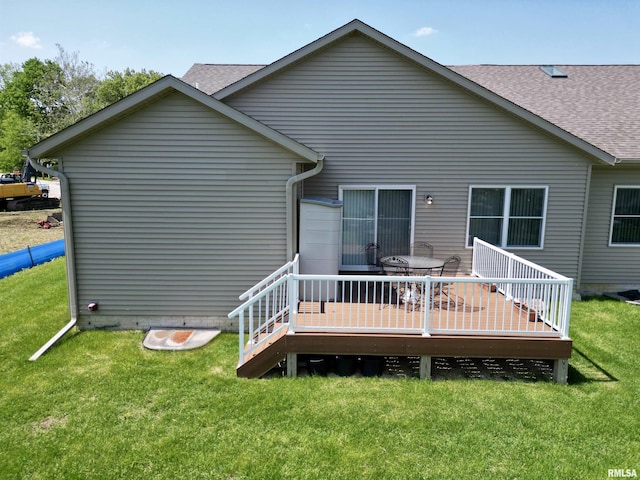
(598, 103)
(210, 78)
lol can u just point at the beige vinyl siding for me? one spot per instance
(608, 268)
(177, 210)
(382, 119)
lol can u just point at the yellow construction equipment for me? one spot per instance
(21, 192)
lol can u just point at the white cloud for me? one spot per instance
(424, 32)
(26, 39)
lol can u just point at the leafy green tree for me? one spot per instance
(53, 94)
(22, 108)
(16, 134)
(118, 85)
(39, 98)
(7, 71)
(25, 91)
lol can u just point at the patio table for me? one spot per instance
(414, 262)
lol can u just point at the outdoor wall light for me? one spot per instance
(428, 199)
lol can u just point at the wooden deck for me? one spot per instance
(474, 322)
(362, 315)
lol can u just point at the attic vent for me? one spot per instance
(553, 72)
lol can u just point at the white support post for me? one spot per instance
(509, 286)
(425, 367)
(566, 314)
(292, 365)
(561, 370)
(292, 287)
(241, 335)
(427, 289)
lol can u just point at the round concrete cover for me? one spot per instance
(178, 339)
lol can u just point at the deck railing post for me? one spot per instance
(509, 288)
(474, 257)
(427, 307)
(566, 314)
(241, 335)
(292, 287)
(250, 315)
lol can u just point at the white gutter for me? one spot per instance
(289, 188)
(67, 223)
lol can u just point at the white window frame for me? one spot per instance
(342, 188)
(505, 214)
(613, 215)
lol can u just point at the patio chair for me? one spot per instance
(394, 266)
(449, 269)
(372, 254)
(451, 266)
(422, 249)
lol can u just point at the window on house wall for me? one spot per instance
(375, 214)
(625, 221)
(507, 216)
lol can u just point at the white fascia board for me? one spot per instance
(448, 74)
(154, 91)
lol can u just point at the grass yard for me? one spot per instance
(99, 406)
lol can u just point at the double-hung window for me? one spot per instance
(508, 217)
(625, 219)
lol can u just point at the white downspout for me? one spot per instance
(67, 223)
(289, 189)
(583, 231)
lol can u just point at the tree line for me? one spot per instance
(41, 97)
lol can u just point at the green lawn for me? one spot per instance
(98, 405)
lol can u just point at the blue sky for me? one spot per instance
(170, 36)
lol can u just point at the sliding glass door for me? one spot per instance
(375, 214)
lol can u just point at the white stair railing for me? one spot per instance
(266, 304)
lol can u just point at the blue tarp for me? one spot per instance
(13, 262)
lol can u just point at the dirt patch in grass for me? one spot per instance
(49, 423)
(20, 230)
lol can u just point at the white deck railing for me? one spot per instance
(490, 261)
(429, 305)
(266, 304)
(527, 300)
